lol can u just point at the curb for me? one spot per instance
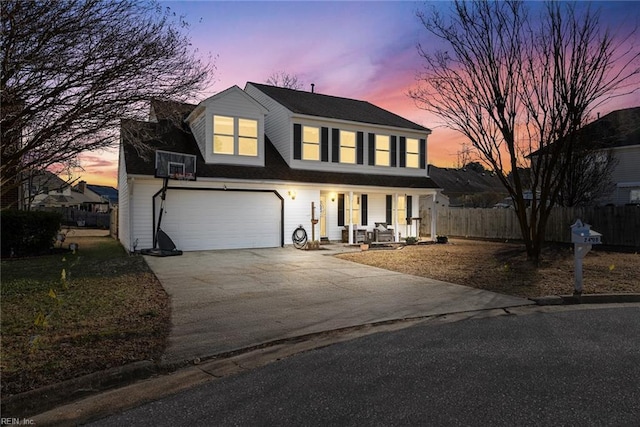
(587, 299)
(44, 399)
(48, 397)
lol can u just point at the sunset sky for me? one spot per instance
(361, 50)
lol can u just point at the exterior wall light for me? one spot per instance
(292, 194)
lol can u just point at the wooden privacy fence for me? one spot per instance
(619, 225)
(113, 228)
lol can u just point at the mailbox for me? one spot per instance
(582, 237)
(582, 233)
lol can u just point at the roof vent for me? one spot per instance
(313, 85)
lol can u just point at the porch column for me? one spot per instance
(351, 217)
(434, 218)
(396, 229)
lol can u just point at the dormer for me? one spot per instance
(229, 128)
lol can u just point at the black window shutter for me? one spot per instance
(335, 143)
(389, 209)
(393, 151)
(372, 149)
(409, 207)
(340, 209)
(297, 141)
(423, 154)
(364, 209)
(324, 145)
(403, 152)
(360, 148)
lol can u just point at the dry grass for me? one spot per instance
(109, 310)
(502, 267)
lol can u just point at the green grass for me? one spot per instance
(109, 310)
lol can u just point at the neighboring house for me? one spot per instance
(264, 155)
(44, 189)
(102, 197)
(619, 132)
(468, 188)
(616, 134)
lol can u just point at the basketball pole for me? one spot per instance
(165, 184)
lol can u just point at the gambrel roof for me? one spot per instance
(319, 105)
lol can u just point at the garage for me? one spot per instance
(204, 219)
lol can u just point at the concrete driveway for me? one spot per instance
(227, 300)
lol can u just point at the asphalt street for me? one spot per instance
(578, 367)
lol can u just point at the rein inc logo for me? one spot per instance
(16, 421)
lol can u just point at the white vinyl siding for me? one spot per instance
(278, 127)
(123, 204)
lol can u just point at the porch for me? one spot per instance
(354, 217)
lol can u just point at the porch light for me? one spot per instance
(333, 197)
(292, 194)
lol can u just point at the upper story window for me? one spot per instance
(248, 137)
(413, 153)
(235, 136)
(382, 150)
(310, 143)
(347, 147)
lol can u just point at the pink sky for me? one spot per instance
(360, 50)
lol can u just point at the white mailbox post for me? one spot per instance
(582, 237)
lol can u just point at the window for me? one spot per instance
(634, 196)
(347, 147)
(413, 153)
(223, 135)
(382, 150)
(355, 216)
(402, 210)
(247, 137)
(232, 135)
(310, 143)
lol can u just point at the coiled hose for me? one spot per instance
(299, 237)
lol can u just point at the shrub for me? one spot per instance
(28, 232)
(411, 240)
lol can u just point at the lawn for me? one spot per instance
(106, 310)
(502, 267)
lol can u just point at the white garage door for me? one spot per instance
(202, 220)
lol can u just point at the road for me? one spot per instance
(576, 367)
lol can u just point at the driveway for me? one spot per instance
(227, 300)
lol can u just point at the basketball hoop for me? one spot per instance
(181, 176)
(178, 166)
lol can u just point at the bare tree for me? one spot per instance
(588, 178)
(286, 80)
(514, 84)
(464, 155)
(71, 69)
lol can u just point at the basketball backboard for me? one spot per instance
(175, 165)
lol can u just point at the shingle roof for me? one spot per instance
(619, 128)
(465, 181)
(106, 191)
(171, 138)
(319, 105)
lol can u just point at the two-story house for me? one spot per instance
(268, 159)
